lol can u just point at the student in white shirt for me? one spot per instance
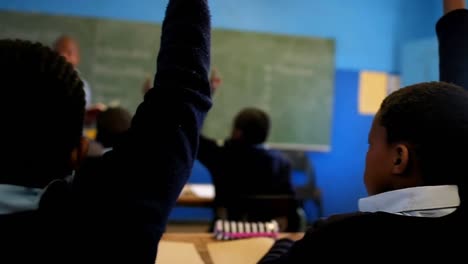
(416, 173)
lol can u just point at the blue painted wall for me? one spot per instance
(420, 61)
(369, 34)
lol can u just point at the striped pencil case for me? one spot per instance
(229, 230)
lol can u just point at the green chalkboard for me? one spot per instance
(290, 77)
(116, 56)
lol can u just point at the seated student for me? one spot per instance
(243, 166)
(415, 174)
(111, 126)
(117, 212)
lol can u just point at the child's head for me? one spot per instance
(43, 108)
(111, 124)
(68, 47)
(251, 126)
(419, 137)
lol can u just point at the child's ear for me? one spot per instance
(400, 159)
(79, 153)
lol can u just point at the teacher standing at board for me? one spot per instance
(69, 48)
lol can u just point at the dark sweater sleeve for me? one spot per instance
(452, 33)
(286, 251)
(279, 249)
(323, 236)
(139, 182)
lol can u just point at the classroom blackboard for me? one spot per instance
(290, 77)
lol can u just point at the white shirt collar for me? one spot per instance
(425, 201)
(14, 198)
(105, 150)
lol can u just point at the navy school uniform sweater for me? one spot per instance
(240, 170)
(117, 211)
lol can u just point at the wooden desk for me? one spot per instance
(189, 196)
(194, 201)
(200, 240)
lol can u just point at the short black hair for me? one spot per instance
(254, 124)
(111, 125)
(432, 118)
(43, 110)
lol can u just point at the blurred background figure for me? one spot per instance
(111, 124)
(69, 48)
(215, 80)
(147, 85)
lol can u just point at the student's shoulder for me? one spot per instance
(340, 220)
(350, 224)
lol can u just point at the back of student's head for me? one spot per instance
(43, 108)
(432, 119)
(111, 124)
(251, 126)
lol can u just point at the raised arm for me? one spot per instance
(451, 5)
(156, 159)
(452, 32)
(140, 180)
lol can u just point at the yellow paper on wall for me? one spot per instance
(373, 87)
